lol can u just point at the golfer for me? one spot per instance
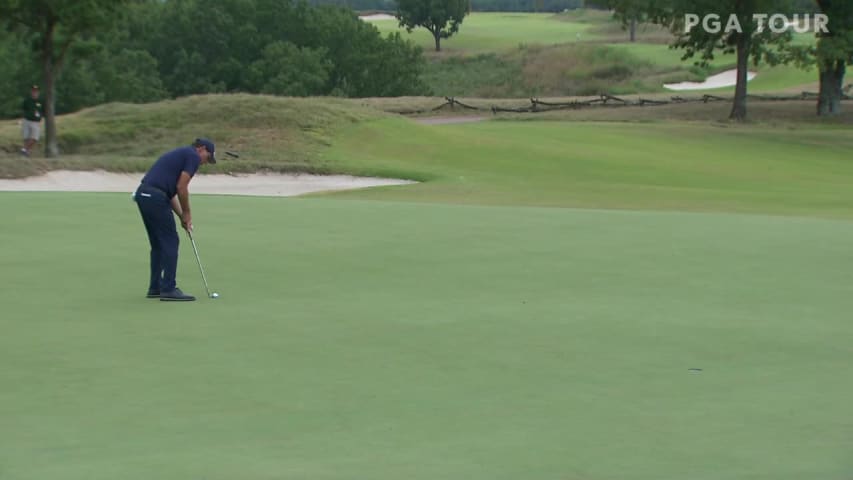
(164, 189)
(33, 110)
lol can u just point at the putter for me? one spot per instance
(200, 268)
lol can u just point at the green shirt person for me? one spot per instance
(33, 110)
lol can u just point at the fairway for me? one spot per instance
(496, 31)
(389, 340)
(483, 33)
(689, 166)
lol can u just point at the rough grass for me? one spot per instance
(554, 70)
(789, 114)
(614, 32)
(783, 114)
(575, 53)
(592, 70)
(285, 134)
(482, 75)
(271, 133)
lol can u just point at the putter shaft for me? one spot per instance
(198, 260)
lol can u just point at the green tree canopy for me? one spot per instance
(240, 39)
(285, 69)
(834, 52)
(54, 25)
(735, 30)
(151, 50)
(441, 17)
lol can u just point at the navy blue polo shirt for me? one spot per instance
(165, 172)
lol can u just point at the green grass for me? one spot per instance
(391, 340)
(662, 55)
(592, 69)
(490, 32)
(784, 78)
(666, 164)
(697, 166)
(271, 133)
(467, 327)
(581, 69)
(484, 75)
(492, 53)
(609, 165)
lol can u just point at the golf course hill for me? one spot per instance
(673, 157)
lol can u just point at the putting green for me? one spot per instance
(382, 340)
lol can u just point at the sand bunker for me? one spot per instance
(256, 184)
(376, 17)
(724, 79)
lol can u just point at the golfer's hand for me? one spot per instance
(187, 223)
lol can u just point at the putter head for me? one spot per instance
(214, 295)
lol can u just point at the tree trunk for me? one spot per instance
(51, 147)
(831, 88)
(633, 30)
(437, 36)
(739, 105)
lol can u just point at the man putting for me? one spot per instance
(164, 189)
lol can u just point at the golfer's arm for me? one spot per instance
(184, 194)
(176, 207)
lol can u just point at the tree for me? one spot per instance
(364, 63)
(441, 17)
(285, 69)
(15, 76)
(834, 52)
(284, 47)
(208, 57)
(630, 13)
(57, 24)
(160, 49)
(733, 28)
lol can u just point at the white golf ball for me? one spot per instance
(214, 295)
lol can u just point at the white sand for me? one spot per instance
(376, 17)
(256, 184)
(724, 79)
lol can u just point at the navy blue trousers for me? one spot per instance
(156, 211)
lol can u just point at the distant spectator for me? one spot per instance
(31, 127)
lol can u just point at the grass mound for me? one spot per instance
(272, 133)
(660, 165)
